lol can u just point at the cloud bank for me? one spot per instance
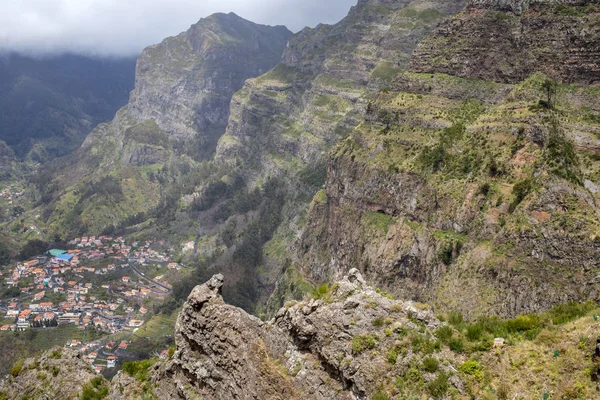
(125, 27)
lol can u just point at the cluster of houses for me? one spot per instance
(99, 356)
(11, 192)
(62, 272)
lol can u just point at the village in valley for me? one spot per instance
(100, 283)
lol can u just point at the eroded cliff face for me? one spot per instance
(186, 82)
(289, 117)
(177, 111)
(306, 351)
(467, 192)
(283, 123)
(507, 41)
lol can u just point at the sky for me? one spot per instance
(125, 27)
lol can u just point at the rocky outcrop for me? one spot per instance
(56, 374)
(334, 347)
(507, 41)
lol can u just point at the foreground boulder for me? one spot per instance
(342, 345)
(57, 374)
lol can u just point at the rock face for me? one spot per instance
(306, 351)
(186, 82)
(507, 41)
(57, 374)
(177, 111)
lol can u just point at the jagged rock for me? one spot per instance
(564, 45)
(56, 374)
(306, 351)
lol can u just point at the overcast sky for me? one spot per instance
(125, 27)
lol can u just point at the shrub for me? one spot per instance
(16, 369)
(484, 189)
(361, 343)
(520, 191)
(438, 387)
(503, 391)
(456, 345)
(444, 333)
(378, 321)
(392, 356)
(472, 368)
(380, 396)
(96, 389)
(138, 369)
(474, 332)
(455, 318)
(430, 364)
(320, 292)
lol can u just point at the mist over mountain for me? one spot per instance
(48, 105)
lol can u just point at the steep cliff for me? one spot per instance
(475, 192)
(507, 41)
(283, 123)
(186, 82)
(177, 111)
(309, 350)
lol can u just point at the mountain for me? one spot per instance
(385, 142)
(177, 110)
(438, 152)
(49, 105)
(455, 189)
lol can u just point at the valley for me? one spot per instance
(401, 205)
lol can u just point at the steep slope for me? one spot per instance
(310, 350)
(283, 123)
(351, 341)
(49, 105)
(186, 82)
(176, 112)
(56, 374)
(465, 191)
(557, 38)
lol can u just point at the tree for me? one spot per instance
(549, 87)
(5, 255)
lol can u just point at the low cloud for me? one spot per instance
(125, 27)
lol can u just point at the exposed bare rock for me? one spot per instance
(56, 374)
(334, 347)
(508, 40)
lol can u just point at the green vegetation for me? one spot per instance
(439, 386)
(472, 368)
(363, 342)
(96, 389)
(520, 191)
(16, 369)
(384, 72)
(139, 369)
(378, 220)
(430, 364)
(479, 334)
(561, 158)
(148, 132)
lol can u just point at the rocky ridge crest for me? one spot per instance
(309, 350)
